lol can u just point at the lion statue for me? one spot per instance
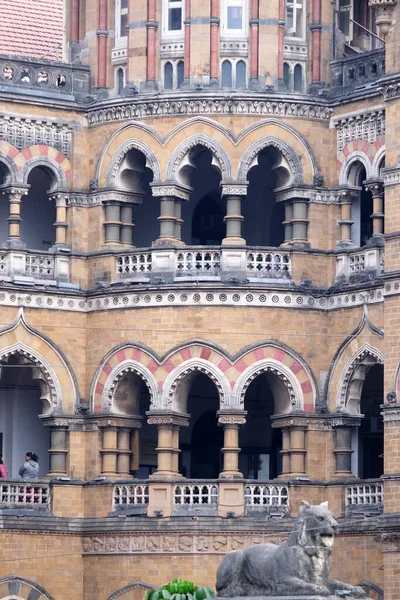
(298, 567)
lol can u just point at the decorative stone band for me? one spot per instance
(113, 195)
(232, 418)
(334, 195)
(390, 413)
(167, 419)
(171, 190)
(234, 189)
(391, 175)
(366, 126)
(91, 422)
(201, 542)
(215, 104)
(83, 199)
(390, 87)
(315, 422)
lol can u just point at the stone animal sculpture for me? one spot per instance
(298, 567)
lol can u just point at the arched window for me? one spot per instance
(168, 76)
(241, 75)
(286, 75)
(121, 21)
(226, 80)
(298, 79)
(180, 71)
(120, 81)
(294, 18)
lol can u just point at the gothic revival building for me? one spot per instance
(200, 254)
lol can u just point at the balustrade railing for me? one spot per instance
(39, 266)
(267, 496)
(356, 71)
(352, 264)
(136, 264)
(365, 493)
(275, 265)
(201, 262)
(126, 495)
(196, 494)
(34, 495)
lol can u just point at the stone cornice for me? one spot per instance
(391, 175)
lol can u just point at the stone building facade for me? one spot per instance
(200, 237)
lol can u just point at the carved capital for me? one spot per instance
(233, 189)
(375, 186)
(160, 419)
(59, 197)
(15, 193)
(383, 14)
(294, 193)
(347, 195)
(232, 418)
(112, 195)
(170, 189)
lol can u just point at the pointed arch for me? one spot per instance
(45, 156)
(12, 585)
(151, 160)
(180, 157)
(116, 375)
(59, 390)
(249, 158)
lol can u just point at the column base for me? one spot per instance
(233, 241)
(345, 245)
(14, 243)
(165, 475)
(378, 239)
(167, 242)
(60, 246)
(230, 475)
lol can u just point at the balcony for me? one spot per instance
(203, 263)
(44, 78)
(355, 266)
(355, 73)
(30, 268)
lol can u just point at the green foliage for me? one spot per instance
(180, 589)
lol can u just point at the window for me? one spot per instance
(120, 81)
(121, 21)
(294, 19)
(345, 18)
(298, 79)
(173, 16)
(293, 77)
(174, 74)
(241, 79)
(234, 17)
(234, 74)
(286, 75)
(226, 78)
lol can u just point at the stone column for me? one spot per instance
(345, 222)
(281, 38)
(15, 195)
(299, 222)
(377, 191)
(61, 224)
(285, 452)
(343, 451)
(127, 224)
(102, 34)
(171, 197)
(151, 26)
(109, 451)
(254, 42)
(112, 223)
(233, 194)
(168, 443)
(58, 450)
(297, 451)
(124, 452)
(316, 41)
(186, 65)
(287, 223)
(391, 452)
(214, 42)
(231, 424)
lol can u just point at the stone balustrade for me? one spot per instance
(273, 496)
(365, 497)
(30, 268)
(21, 494)
(196, 494)
(44, 78)
(356, 72)
(127, 495)
(366, 262)
(203, 263)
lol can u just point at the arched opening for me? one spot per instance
(286, 75)
(241, 78)
(362, 206)
(132, 398)
(180, 73)
(203, 214)
(134, 176)
(262, 225)
(202, 441)
(370, 433)
(37, 212)
(226, 74)
(261, 444)
(298, 78)
(168, 76)
(4, 205)
(120, 81)
(21, 403)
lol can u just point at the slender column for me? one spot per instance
(109, 452)
(15, 195)
(254, 40)
(281, 34)
(171, 197)
(376, 189)
(297, 451)
(187, 41)
(102, 34)
(214, 41)
(231, 424)
(287, 223)
(112, 223)
(124, 452)
(233, 194)
(343, 451)
(345, 221)
(151, 43)
(168, 443)
(74, 21)
(299, 221)
(61, 223)
(316, 41)
(285, 453)
(58, 452)
(127, 224)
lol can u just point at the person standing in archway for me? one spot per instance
(3, 469)
(30, 469)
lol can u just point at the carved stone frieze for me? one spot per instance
(391, 176)
(174, 543)
(301, 421)
(230, 419)
(159, 419)
(292, 193)
(110, 195)
(232, 189)
(391, 414)
(169, 190)
(24, 132)
(193, 105)
(122, 421)
(83, 199)
(366, 126)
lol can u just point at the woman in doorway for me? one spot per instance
(3, 469)
(30, 469)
